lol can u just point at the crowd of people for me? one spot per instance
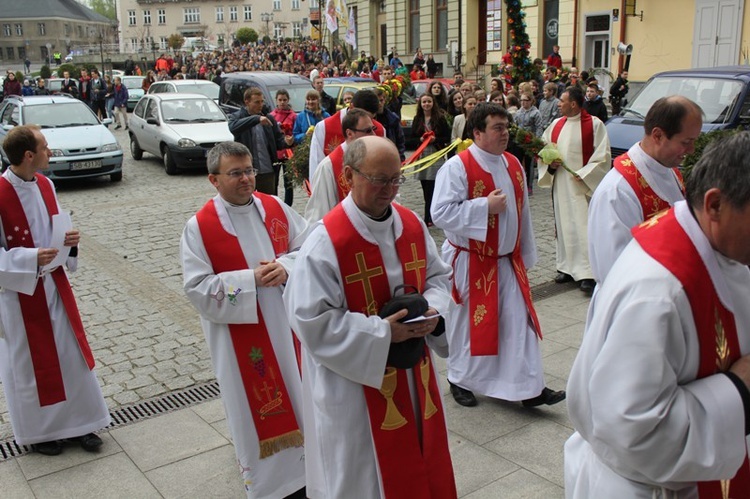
(323, 328)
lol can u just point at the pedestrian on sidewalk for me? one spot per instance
(46, 364)
(121, 104)
(237, 252)
(481, 203)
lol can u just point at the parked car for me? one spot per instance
(135, 90)
(233, 86)
(81, 145)
(54, 85)
(421, 86)
(722, 92)
(178, 128)
(203, 87)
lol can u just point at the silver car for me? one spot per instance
(203, 87)
(179, 128)
(134, 84)
(81, 145)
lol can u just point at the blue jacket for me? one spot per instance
(305, 120)
(121, 96)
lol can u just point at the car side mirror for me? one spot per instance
(152, 121)
(107, 121)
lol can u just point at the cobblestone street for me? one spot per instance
(145, 335)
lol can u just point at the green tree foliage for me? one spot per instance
(246, 35)
(105, 8)
(519, 42)
(45, 72)
(700, 144)
(175, 41)
(71, 68)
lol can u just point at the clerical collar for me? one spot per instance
(385, 216)
(249, 203)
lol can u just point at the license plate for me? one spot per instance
(86, 165)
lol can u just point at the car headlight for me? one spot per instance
(111, 147)
(57, 152)
(186, 143)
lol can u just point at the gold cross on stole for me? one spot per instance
(365, 275)
(415, 265)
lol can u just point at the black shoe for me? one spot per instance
(90, 442)
(126, 128)
(52, 448)
(118, 127)
(462, 396)
(562, 278)
(548, 397)
(587, 285)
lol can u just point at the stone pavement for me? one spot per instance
(147, 342)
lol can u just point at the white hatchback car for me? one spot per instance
(179, 128)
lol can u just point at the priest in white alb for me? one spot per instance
(374, 419)
(644, 181)
(46, 364)
(658, 393)
(481, 203)
(584, 146)
(237, 252)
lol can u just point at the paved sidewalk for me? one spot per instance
(499, 449)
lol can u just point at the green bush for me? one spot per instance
(45, 72)
(701, 143)
(20, 76)
(246, 35)
(71, 68)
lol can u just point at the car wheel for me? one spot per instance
(116, 177)
(169, 165)
(135, 148)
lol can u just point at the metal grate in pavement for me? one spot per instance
(550, 289)
(136, 412)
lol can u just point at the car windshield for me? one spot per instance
(59, 115)
(717, 97)
(297, 94)
(191, 111)
(133, 83)
(210, 90)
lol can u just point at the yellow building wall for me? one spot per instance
(745, 37)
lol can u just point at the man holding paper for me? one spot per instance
(585, 158)
(46, 365)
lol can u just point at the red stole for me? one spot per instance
(334, 136)
(587, 134)
(267, 395)
(34, 308)
(337, 166)
(651, 203)
(409, 469)
(484, 296)
(663, 238)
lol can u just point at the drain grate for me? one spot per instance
(550, 289)
(137, 412)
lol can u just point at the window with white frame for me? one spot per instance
(19, 29)
(161, 15)
(314, 4)
(146, 17)
(192, 15)
(131, 18)
(276, 4)
(248, 12)
(441, 24)
(295, 4)
(219, 14)
(297, 30)
(134, 44)
(6, 30)
(276, 31)
(42, 29)
(163, 41)
(233, 14)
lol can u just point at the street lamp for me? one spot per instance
(267, 18)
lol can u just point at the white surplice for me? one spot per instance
(324, 190)
(84, 409)
(317, 142)
(344, 350)
(645, 424)
(571, 196)
(516, 373)
(284, 472)
(615, 209)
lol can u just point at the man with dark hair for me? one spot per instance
(374, 418)
(329, 186)
(327, 102)
(46, 364)
(594, 104)
(659, 391)
(328, 134)
(391, 122)
(260, 133)
(584, 146)
(644, 181)
(98, 90)
(481, 203)
(237, 252)
(618, 91)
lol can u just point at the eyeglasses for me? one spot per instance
(369, 131)
(238, 174)
(380, 181)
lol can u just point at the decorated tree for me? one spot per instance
(519, 42)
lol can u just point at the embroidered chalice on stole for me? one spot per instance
(393, 419)
(429, 406)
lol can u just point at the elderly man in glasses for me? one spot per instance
(329, 186)
(236, 254)
(374, 421)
